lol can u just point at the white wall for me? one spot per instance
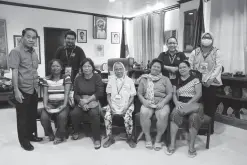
(18, 18)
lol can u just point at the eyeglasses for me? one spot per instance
(172, 43)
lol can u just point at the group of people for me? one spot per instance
(168, 91)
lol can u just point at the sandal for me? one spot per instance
(149, 145)
(170, 151)
(97, 144)
(75, 136)
(58, 141)
(192, 154)
(51, 138)
(131, 143)
(157, 146)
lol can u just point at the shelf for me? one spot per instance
(231, 121)
(241, 79)
(232, 98)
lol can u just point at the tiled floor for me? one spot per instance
(228, 147)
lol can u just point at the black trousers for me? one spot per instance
(209, 100)
(93, 116)
(26, 113)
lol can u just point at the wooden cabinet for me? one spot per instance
(233, 100)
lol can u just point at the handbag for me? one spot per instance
(92, 104)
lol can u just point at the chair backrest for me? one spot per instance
(127, 62)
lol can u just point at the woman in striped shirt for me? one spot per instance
(56, 96)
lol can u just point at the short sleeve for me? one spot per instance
(183, 57)
(141, 87)
(43, 82)
(169, 88)
(109, 86)
(14, 59)
(67, 80)
(191, 59)
(196, 81)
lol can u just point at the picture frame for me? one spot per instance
(99, 50)
(115, 38)
(3, 46)
(81, 36)
(99, 27)
(17, 40)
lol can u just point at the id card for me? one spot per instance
(118, 97)
(68, 71)
(203, 68)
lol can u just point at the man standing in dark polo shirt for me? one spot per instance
(24, 64)
(171, 59)
(70, 55)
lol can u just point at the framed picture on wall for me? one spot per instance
(17, 41)
(99, 27)
(3, 46)
(99, 50)
(115, 38)
(81, 36)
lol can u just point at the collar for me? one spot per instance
(31, 50)
(66, 47)
(168, 53)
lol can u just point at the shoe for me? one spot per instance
(35, 139)
(131, 143)
(109, 142)
(97, 144)
(27, 146)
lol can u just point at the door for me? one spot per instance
(53, 38)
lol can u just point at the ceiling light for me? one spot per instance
(111, 0)
(191, 13)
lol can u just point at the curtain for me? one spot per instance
(199, 25)
(123, 46)
(229, 26)
(148, 37)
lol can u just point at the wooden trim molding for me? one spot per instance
(58, 9)
(183, 1)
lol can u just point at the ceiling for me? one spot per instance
(125, 8)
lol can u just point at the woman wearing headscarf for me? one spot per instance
(206, 60)
(155, 93)
(171, 59)
(120, 96)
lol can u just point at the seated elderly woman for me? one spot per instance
(120, 95)
(186, 95)
(88, 88)
(154, 92)
(56, 94)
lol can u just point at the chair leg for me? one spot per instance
(208, 136)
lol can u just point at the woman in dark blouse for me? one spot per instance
(171, 59)
(88, 88)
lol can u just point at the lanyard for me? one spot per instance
(207, 53)
(118, 90)
(172, 58)
(66, 51)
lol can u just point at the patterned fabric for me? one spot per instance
(195, 119)
(188, 90)
(56, 88)
(128, 122)
(128, 90)
(209, 64)
(149, 94)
